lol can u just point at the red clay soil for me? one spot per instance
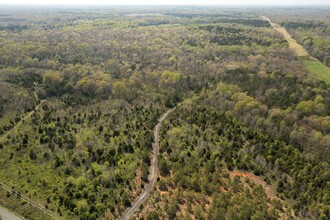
(270, 192)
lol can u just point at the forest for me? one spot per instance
(82, 89)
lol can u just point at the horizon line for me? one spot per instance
(211, 4)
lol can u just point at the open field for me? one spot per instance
(300, 51)
(316, 67)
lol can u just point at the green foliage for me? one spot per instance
(163, 167)
(153, 216)
(174, 76)
(120, 90)
(52, 83)
(200, 171)
(81, 92)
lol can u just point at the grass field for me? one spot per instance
(301, 52)
(317, 68)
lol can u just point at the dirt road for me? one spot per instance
(153, 172)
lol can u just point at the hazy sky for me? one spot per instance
(169, 2)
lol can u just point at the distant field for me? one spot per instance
(313, 65)
(317, 68)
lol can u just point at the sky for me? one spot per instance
(167, 2)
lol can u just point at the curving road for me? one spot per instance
(153, 172)
(6, 215)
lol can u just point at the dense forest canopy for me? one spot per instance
(82, 88)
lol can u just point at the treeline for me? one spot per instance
(275, 104)
(14, 27)
(303, 25)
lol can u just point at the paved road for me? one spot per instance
(5, 215)
(153, 172)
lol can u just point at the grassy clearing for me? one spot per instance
(300, 51)
(317, 68)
